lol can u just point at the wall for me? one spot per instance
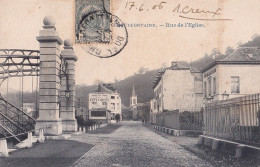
(223, 80)
(175, 94)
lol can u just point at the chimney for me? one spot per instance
(174, 63)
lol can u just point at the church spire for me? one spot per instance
(133, 91)
(133, 98)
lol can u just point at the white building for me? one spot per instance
(104, 98)
(236, 75)
(177, 88)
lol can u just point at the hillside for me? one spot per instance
(143, 80)
(143, 87)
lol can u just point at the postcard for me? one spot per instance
(127, 82)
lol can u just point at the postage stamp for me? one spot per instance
(100, 33)
(117, 40)
(91, 27)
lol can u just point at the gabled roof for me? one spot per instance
(175, 66)
(242, 55)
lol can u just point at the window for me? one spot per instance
(98, 113)
(113, 105)
(235, 84)
(205, 89)
(214, 86)
(112, 97)
(94, 103)
(134, 101)
(209, 86)
(118, 106)
(104, 103)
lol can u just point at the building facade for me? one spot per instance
(234, 76)
(104, 102)
(177, 88)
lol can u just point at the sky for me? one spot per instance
(21, 21)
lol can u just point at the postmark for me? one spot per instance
(118, 36)
(90, 28)
(97, 30)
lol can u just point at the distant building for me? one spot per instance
(104, 103)
(133, 98)
(139, 110)
(153, 111)
(235, 75)
(82, 112)
(177, 88)
(30, 109)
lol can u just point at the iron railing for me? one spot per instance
(181, 119)
(13, 120)
(235, 119)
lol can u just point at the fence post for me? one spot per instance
(41, 140)
(3, 148)
(29, 140)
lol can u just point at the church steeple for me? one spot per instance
(133, 91)
(133, 98)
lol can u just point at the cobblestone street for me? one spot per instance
(132, 144)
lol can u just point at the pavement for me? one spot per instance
(52, 153)
(132, 144)
(126, 144)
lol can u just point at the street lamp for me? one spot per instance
(67, 93)
(225, 95)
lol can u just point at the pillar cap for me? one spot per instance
(68, 42)
(49, 21)
(68, 52)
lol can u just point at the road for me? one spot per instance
(132, 144)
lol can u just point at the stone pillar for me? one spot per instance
(67, 107)
(49, 79)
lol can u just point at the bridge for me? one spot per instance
(54, 68)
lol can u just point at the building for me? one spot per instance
(233, 76)
(139, 110)
(82, 112)
(30, 109)
(177, 88)
(104, 103)
(153, 111)
(133, 98)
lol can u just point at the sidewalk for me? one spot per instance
(52, 153)
(216, 158)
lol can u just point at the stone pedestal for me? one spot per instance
(67, 95)
(49, 79)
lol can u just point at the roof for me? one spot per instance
(242, 55)
(175, 66)
(104, 88)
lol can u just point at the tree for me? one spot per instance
(229, 50)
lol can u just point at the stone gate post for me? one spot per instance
(49, 79)
(67, 95)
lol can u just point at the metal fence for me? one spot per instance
(235, 119)
(181, 119)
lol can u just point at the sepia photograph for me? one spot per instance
(130, 83)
